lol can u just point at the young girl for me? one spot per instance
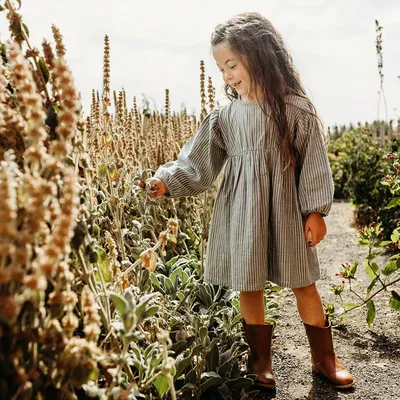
(276, 189)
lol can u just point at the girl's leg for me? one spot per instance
(319, 334)
(310, 306)
(258, 336)
(252, 306)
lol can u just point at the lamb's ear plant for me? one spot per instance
(49, 321)
(102, 293)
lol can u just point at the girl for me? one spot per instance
(276, 189)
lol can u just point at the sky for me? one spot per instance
(158, 44)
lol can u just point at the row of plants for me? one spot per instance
(101, 289)
(359, 165)
(366, 170)
(370, 177)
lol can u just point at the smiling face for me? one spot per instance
(233, 70)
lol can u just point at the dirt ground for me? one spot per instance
(372, 354)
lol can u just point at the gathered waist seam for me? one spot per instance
(253, 150)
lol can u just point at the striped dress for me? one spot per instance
(257, 226)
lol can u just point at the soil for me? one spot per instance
(372, 354)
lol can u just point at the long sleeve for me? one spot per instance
(315, 184)
(199, 161)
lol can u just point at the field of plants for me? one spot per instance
(101, 287)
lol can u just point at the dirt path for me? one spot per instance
(371, 354)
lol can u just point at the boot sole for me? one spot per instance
(347, 386)
(264, 386)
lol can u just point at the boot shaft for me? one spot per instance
(324, 360)
(320, 340)
(259, 338)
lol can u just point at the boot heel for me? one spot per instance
(325, 378)
(264, 386)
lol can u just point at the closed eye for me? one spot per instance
(233, 67)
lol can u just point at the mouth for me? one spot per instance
(235, 85)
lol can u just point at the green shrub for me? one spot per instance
(383, 280)
(338, 153)
(358, 166)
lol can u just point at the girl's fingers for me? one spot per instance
(317, 240)
(313, 241)
(306, 230)
(309, 238)
(153, 190)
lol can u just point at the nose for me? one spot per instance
(227, 77)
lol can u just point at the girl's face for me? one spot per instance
(233, 71)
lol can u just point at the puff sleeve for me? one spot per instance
(315, 182)
(199, 161)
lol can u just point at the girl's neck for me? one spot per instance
(246, 99)
(252, 98)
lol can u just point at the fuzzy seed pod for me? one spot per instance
(149, 259)
(91, 317)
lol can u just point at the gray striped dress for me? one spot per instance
(257, 226)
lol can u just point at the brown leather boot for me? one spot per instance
(259, 338)
(323, 358)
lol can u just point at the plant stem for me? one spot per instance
(92, 286)
(120, 364)
(106, 298)
(355, 293)
(171, 387)
(372, 296)
(139, 260)
(151, 380)
(369, 263)
(183, 300)
(169, 377)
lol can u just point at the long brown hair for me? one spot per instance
(260, 47)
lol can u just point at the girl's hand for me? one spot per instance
(316, 228)
(154, 187)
